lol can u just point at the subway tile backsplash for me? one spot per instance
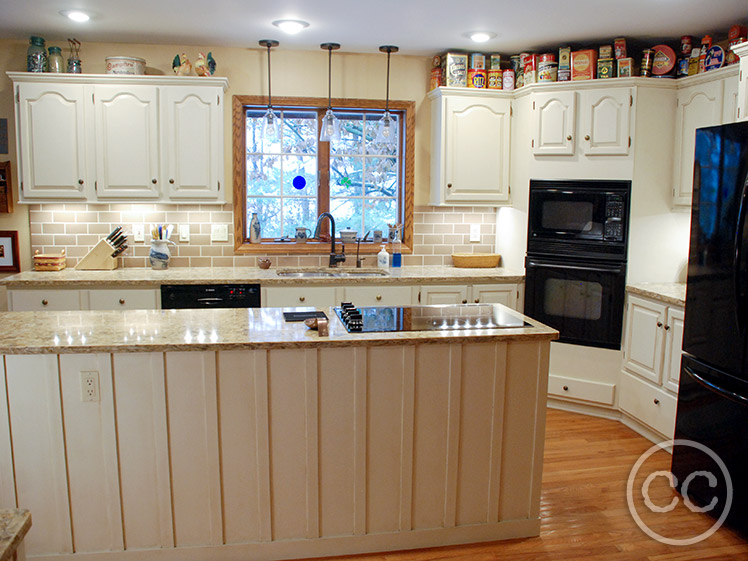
(437, 233)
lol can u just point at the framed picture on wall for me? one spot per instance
(9, 260)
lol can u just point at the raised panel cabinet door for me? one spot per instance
(673, 348)
(379, 295)
(476, 151)
(605, 121)
(127, 142)
(554, 115)
(192, 138)
(443, 295)
(123, 299)
(495, 294)
(644, 338)
(52, 141)
(698, 106)
(304, 296)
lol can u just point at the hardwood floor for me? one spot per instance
(584, 509)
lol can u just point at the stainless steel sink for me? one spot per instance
(330, 273)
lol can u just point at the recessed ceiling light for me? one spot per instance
(76, 15)
(290, 26)
(480, 36)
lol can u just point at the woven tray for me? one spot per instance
(476, 260)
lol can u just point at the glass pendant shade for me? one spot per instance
(330, 129)
(387, 126)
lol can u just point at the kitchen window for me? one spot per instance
(290, 181)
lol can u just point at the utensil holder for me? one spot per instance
(99, 258)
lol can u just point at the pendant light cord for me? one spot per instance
(329, 77)
(387, 98)
(270, 99)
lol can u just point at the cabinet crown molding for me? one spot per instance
(146, 80)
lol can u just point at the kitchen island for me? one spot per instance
(231, 434)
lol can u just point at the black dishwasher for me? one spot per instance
(175, 296)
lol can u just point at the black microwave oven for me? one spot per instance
(582, 218)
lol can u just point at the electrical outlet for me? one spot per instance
(90, 386)
(475, 232)
(219, 233)
(138, 232)
(184, 232)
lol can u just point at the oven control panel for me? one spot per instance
(614, 210)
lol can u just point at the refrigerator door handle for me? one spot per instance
(739, 247)
(715, 388)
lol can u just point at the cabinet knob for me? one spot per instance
(379, 297)
(667, 327)
(568, 137)
(121, 300)
(80, 182)
(659, 324)
(154, 181)
(566, 388)
(449, 185)
(45, 302)
(171, 181)
(464, 301)
(586, 137)
(477, 300)
(656, 401)
(302, 298)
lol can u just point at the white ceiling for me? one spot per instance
(418, 27)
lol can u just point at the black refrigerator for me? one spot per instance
(713, 393)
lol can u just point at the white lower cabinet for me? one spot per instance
(653, 339)
(124, 299)
(379, 295)
(36, 300)
(43, 300)
(507, 294)
(299, 296)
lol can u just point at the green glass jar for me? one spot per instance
(55, 61)
(36, 55)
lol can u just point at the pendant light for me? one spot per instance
(272, 122)
(387, 127)
(330, 129)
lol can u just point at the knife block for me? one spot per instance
(99, 258)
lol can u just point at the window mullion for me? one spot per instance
(323, 167)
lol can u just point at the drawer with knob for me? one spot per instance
(581, 390)
(299, 296)
(379, 295)
(649, 404)
(123, 299)
(43, 300)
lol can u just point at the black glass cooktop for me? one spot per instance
(427, 318)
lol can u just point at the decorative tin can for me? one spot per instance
(514, 62)
(706, 42)
(686, 45)
(715, 58)
(477, 61)
(529, 62)
(494, 78)
(693, 62)
(564, 58)
(476, 78)
(619, 48)
(625, 67)
(682, 67)
(454, 66)
(605, 68)
(663, 63)
(731, 57)
(605, 51)
(508, 79)
(583, 64)
(495, 62)
(647, 58)
(547, 71)
(546, 57)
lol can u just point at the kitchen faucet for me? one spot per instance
(334, 257)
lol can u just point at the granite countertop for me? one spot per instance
(14, 523)
(224, 329)
(148, 278)
(673, 293)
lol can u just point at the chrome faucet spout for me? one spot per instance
(334, 257)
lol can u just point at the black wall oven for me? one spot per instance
(575, 268)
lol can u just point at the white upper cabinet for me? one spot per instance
(52, 141)
(470, 147)
(742, 111)
(193, 142)
(127, 146)
(109, 137)
(554, 122)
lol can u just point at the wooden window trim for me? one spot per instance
(311, 247)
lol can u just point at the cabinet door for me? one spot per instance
(604, 121)
(379, 295)
(294, 296)
(43, 300)
(123, 299)
(476, 149)
(673, 348)
(495, 294)
(52, 141)
(698, 106)
(730, 100)
(443, 295)
(554, 123)
(127, 142)
(644, 338)
(193, 141)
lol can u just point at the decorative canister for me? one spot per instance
(547, 71)
(255, 235)
(74, 66)
(36, 55)
(55, 62)
(477, 61)
(476, 78)
(494, 79)
(125, 65)
(619, 47)
(647, 59)
(508, 81)
(160, 255)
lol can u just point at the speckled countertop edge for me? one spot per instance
(210, 330)
(668, 292)
(148, 278)
(14, 523)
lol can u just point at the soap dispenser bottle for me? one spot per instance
(383, 258)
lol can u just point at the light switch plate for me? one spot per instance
(184, 232)
(219, 233)
(475, 232)
(138, 232)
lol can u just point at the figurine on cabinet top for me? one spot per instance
(205, 66)
(181, 66)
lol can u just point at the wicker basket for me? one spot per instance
(476, 260)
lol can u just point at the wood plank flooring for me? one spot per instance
(584, 510)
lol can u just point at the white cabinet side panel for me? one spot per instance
(7, 483)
